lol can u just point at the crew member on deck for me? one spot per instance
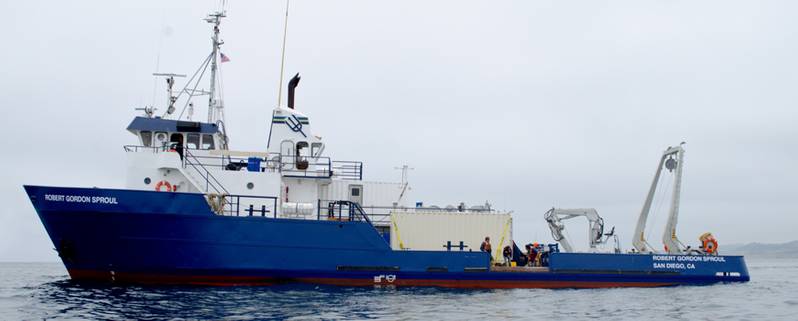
(508, 255)
(532, 254)
(528, 254)
(177, 144)
(485, 247)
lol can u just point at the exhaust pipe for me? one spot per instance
(291, 88)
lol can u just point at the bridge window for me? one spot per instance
(301, 155)
(176, 137)
(301, 149)
(177, 143)
(207, 141)
(146, 138)
(315, 149)
(160, 139)
(192, 140)
(287, 148)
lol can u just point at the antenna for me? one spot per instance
(170, 97)
(405, 169)
(215, 19)
(148, 111)
(282, 58)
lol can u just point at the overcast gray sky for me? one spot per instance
(525, 104)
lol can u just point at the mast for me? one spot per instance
(282, 57)
(214, 105)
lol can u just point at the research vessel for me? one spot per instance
(194, 211)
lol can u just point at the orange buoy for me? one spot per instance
(709, 243)
(162, 184)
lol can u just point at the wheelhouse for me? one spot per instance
(162, 133)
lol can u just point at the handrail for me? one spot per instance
(317, 167)
(235, 206)
(348, 169)
(208, 176)
(359, 210)
(135, 148)
(380, 215)
(352, 209)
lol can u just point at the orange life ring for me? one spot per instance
(710, 245)
(162, 184)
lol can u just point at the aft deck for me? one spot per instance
(520, 269)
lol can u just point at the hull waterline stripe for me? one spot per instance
(228, 280)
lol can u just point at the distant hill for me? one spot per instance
(782, 250)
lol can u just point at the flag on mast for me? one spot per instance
(224, 58)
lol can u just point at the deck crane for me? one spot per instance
(596, 236)
(672, 160)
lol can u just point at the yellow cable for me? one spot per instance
(396, 228)
(501, 241)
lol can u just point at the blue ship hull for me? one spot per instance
(129, 236)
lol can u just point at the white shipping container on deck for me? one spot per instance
(373, 193)
(431, 230)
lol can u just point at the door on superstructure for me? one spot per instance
(287, 154)
(356, 194)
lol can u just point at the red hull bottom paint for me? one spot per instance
(216, 280)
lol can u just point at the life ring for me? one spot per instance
(710, 245)
(162, 184)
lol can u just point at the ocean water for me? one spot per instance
(43, 291)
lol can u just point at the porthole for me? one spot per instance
(147, 180)
(250, 185)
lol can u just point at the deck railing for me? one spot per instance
(263, 206)
(137, 149)
(341, 211)
(381, 215)
(305, 167)
(348, 170)
(288, 165)
(190, 162)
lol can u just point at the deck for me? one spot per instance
(521, 269)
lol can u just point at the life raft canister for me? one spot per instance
(162, 184)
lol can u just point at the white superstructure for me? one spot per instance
(292, 177)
